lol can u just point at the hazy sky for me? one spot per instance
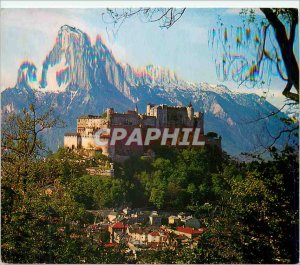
(29, 34)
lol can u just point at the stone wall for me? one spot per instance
(97, 171)
(132, 119)
(72, 141)
(148, 121)
(89, 142)
(87, 125)
(168, 116)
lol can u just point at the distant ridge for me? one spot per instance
(79, 78)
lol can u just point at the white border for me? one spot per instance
(112, 4)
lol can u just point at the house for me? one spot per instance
(157, 239)
(154, 237)
(119, 236)
(178, 240)
(139, 217)
(183, 240)
(155, 219)
(121, 218)
(191, 222)
(137, 234)
(127, 211)
(173, 220)
(164, 237)
(188, 232)
(116, 229)
(181, 215)
(112, 216)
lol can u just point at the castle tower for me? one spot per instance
(149, 106)
(109, 112)
(190, 111)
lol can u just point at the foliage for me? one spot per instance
(256, 218)
(249, 211)
(178, 182)
(96, 192)
(41, 222)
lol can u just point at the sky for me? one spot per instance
(29, 34)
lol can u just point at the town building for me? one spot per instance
(191, 222)
(174, 220)
(117, 231)
(112, 216)
(188, 232)
(142, 237)
(155, 219)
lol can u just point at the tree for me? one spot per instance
(41, 224)
(252, 53)
(21, 148)
(266, 54)
(167, 17)
(30, 218)
(286, 45)
(256, 218)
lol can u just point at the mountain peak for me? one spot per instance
(220, 88)
(70, 29)
(68, 35)
(26, 73)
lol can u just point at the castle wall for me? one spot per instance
(171, 116)
(161, 116)
(148, 121)
(178, 117)
(72, 142)
(149, 107)
(87, 126)
(125, 119)
(126, 150)
(199, 121)
(88, 142)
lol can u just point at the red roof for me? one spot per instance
(189, 230)
(109, 245)
(154, 233)
(119, 225)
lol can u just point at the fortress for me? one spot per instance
(157, 116)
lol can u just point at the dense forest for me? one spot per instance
(249, 209)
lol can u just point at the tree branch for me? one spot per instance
(293, 25)
(287, 92)
(286, 48)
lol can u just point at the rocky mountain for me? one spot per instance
(78, 78)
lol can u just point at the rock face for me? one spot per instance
(80, 78)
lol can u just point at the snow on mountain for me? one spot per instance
(80, 78)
